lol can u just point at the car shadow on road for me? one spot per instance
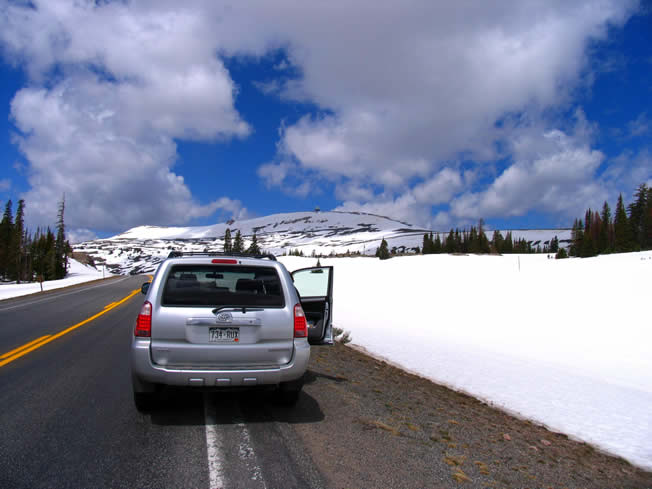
(181, 407)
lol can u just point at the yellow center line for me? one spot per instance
(26, 345)
(109, 305)
(33, 345)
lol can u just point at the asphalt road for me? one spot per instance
(67, 418)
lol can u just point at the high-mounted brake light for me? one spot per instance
(300, 325)
(224, 260)
(144, 321)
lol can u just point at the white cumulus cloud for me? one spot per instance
(132, 80)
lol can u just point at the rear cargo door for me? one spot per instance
(315, 287)
(223, 317)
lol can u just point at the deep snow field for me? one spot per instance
(77, 273)
(566, 343)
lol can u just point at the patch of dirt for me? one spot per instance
(384, 427)
(83, 258)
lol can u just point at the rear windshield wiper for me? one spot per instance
(236, 308)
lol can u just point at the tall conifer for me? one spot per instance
(437, 246)
(6, 231)
(605, 241)
(60, 245)
(228, 246)
(254, 249)
(17, 251)
(637, 217)
(383, 250)
(238, 245)
(622, 241)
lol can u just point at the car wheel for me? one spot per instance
(144, 401)
(145, 394)
(288, 392)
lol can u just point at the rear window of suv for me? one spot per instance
(223, 285)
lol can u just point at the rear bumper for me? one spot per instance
(143, 370)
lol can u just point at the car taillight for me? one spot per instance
(300, 325)
(228, 261)
(144, 321)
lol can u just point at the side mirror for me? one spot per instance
(144, 288)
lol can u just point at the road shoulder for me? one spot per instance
(389, 428)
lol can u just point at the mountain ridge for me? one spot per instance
(140, 249)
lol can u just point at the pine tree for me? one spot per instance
(483, 242)
(254, 248)
(383, 250)
(637, 217)
(605, 240)
(17, 252)
(43, 255)
(6, 232)
(508, 244)
(427, 244)
(60, 256)
(449, 245)
(554, 245)
(437, 246)
(622, 241)
(647, 222)
(497, 241)
(577, 238)
(238, 245)
(228, 247)
(470, 241)
(591, 233)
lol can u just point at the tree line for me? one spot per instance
(629, 229)
(474, 240)
(236, 244)
(25, 257)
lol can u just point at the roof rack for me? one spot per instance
(178, 254)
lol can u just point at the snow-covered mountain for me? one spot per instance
(140, 249)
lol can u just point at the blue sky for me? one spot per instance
(523, 113)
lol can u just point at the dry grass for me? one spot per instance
(454, 461)
(412, 427)
(460, 476)
(482, 467)
(374, 423)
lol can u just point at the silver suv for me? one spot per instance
(212, 320)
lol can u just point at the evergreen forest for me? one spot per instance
(629, 228)
(27, 257)
(475, 240)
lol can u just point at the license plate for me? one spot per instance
(225, 335)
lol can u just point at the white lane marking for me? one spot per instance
(56, 296)
(213, 447)
(247, 455)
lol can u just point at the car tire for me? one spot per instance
(145, 394)
(288, 392)
(144, 401)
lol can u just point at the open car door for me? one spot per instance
(315, 287)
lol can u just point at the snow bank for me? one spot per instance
(77, 273)
(566, 343)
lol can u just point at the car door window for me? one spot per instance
(313, 282)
